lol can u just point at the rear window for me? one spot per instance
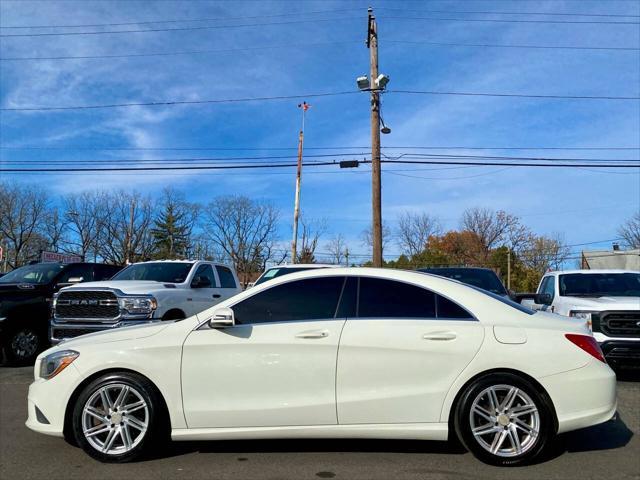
(476, 277)
(505, 300)
(278, 272)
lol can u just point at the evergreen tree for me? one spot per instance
(172, 227)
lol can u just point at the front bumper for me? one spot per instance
(47, 401)
(622, 352)
(59, 331)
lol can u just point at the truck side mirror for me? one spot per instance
(201, 282)
(543, 299)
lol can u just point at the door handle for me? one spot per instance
(313, 334)
(440, 336)
(216, 295)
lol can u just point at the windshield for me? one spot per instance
(158, 272)
(485, 279)
(600, 285)
(278, 272)
(38, 274)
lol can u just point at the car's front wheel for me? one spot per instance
(23, 344)
(119, 417)
(504, 420)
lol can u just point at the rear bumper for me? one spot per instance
(582, 397)
(59, 331)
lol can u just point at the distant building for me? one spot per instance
(609, 259)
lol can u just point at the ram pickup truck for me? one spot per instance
(25, 303)
(608, 300)
(141, 293)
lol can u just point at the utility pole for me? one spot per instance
(509, 269)
(376, 183)
(296, 209)
(346, 255)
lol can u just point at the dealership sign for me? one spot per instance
(53, 257)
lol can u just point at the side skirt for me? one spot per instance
(401, 431)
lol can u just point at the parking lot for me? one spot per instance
(608, 451)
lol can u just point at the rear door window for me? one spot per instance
(227, 279)
(381, 298)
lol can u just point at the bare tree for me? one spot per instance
(86, 214)
(54, 229)
(630, 231)
(126, 233)
(337, 248)
(367, 237)
(244, 230)
(414, 230)
(23, 209)
(495, 228)
(311, 233)
(544, 253)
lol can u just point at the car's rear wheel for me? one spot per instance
(119, 418)
(504, 420)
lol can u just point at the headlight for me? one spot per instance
(53, 364)
(582, 315)
(138, 305)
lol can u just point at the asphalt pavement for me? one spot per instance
(605, 452)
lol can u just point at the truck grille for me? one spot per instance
(87, 305)
(62, 333)
(620, 324)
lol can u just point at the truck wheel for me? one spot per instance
(23, 345)
(173, 315)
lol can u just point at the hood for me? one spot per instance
(115, 335)
(604, 303)
(132, 287)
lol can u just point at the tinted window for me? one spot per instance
(390, 299)
(166, 272)
(348, 299)
(278, 272)
(40, 273)
(77, 271)
(311, 299)
(226, 277)
(506, 301)
(548, 286)
(600, 284)
(478, 277)
(205, 271)
(449, 309)
(104, 272)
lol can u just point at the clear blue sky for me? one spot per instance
(324, 54)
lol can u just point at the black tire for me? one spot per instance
(532, 445)
(23, 344)
(155, 417)
(173, 315)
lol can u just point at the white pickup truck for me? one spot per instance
(141, 293)
(608, 300)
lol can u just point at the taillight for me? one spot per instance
(588, 344)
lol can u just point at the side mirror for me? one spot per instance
(222, 318)
(543, 299)
(201, 282)
(75, 279)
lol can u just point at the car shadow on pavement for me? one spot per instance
(606, 436)
(313, 445)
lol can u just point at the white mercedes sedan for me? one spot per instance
(331, 353)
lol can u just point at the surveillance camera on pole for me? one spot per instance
(382, 81)
(363, 83)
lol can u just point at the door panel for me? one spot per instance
(261, 375)
(400, 370)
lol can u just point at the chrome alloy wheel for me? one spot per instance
(24, 343)
(504, 421)
(115, 419)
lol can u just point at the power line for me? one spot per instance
(514, 95)
(192, 52)
(494, 157)
(394, 147)
(186, 20)
(176, 29)
(179, 102)
(520, 46)
(502, 20)
(486, 12)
